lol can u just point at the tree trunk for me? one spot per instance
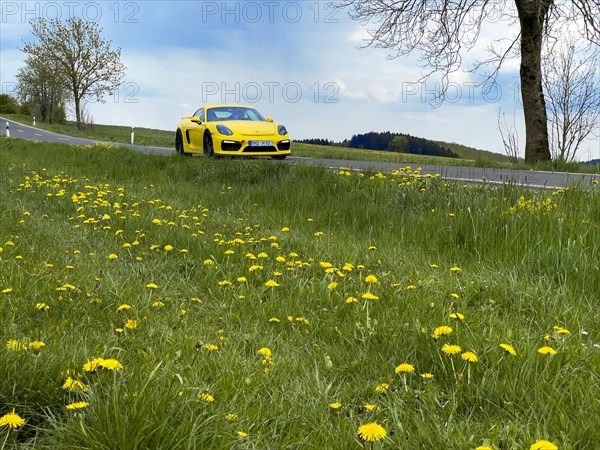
(532, 18)
(78, 113)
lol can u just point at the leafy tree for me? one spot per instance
(8, 105)
(86, 63)
(42, 90)
(442, 31)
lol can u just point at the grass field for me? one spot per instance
(183, 303)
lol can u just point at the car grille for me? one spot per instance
(230, 146)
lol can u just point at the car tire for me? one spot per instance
(279, 157)
(209, 148)
(179, 143)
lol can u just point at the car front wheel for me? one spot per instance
(179, 143)
(209, 149)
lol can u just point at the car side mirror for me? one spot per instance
(196, 120)
(269, 119)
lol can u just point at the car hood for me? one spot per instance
(251, 127)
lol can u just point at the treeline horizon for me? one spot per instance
(390, 142)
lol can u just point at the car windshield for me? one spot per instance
(222, 113)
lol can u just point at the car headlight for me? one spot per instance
(224, 130)
(281, 129)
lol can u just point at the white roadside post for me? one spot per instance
(34, 121)
(132, 134)
(7, 130)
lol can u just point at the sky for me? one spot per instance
(302, 63)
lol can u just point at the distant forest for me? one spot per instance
(390, 142)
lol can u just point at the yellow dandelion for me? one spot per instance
(36, 346)
(208, 262)
(11, 420)
(457, 315)
(455, 269)
(274, 320)
(152, 286)
(546, 351)
(371, 279)
(371, 407)
(469, 357)
(242, 434)
(206, 397)
(272, 283)
(335, 406)
(508, 349)
(73, 385)
(483, 447)
(543, 444)
(231, 417)
(92, 365)
(451, 349)
(371, 432)
(7, 291)
(168, 248)
(158, 304)
(113, 256)
(42, 306)
(351, 300)
(131, 324)
(332, 285)
(382, 388)
(404, 368)
(369, 296)
(210, 347)
(427, 376)
(441, 331)
(77, 405)
(110, 364)
(123, 307)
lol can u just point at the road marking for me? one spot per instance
(20, 131)
(64, 139)
(37, 134)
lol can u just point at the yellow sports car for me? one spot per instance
(231, 130)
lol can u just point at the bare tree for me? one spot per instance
(510, 137)
(441, 31)
(572, 91)
(85, 61)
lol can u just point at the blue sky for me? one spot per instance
(299, 62)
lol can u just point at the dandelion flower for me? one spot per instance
(92, 365)
(441, 331)
(123, 307)
(369, 296)
(7, 291)
(404, 368)
(36, 346)
(42, 306)
(508, 349)
(543, 445)
(427, 376)
(12, 420)
(272, 283)
(113, 256)
(206, 397)
(152, 286)
(77, 405)
(371, 432)
(168, 248)
(332, 285)
(274, 320)
(131, 324)
(546, 351)
(455, 269)
(335, 406)
(382, 388)
(457, 315)
(208, 262)
(210, 347)
(231, 417)
(73, 385)
(469, 357)
(351, 300)
(15, 346)
(371, 279)
(242, 434)
(371, 407)
(111, 364)
(483, 447)
(451, 349)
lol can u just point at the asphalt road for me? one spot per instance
(537, 179)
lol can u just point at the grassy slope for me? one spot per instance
(526, 266)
